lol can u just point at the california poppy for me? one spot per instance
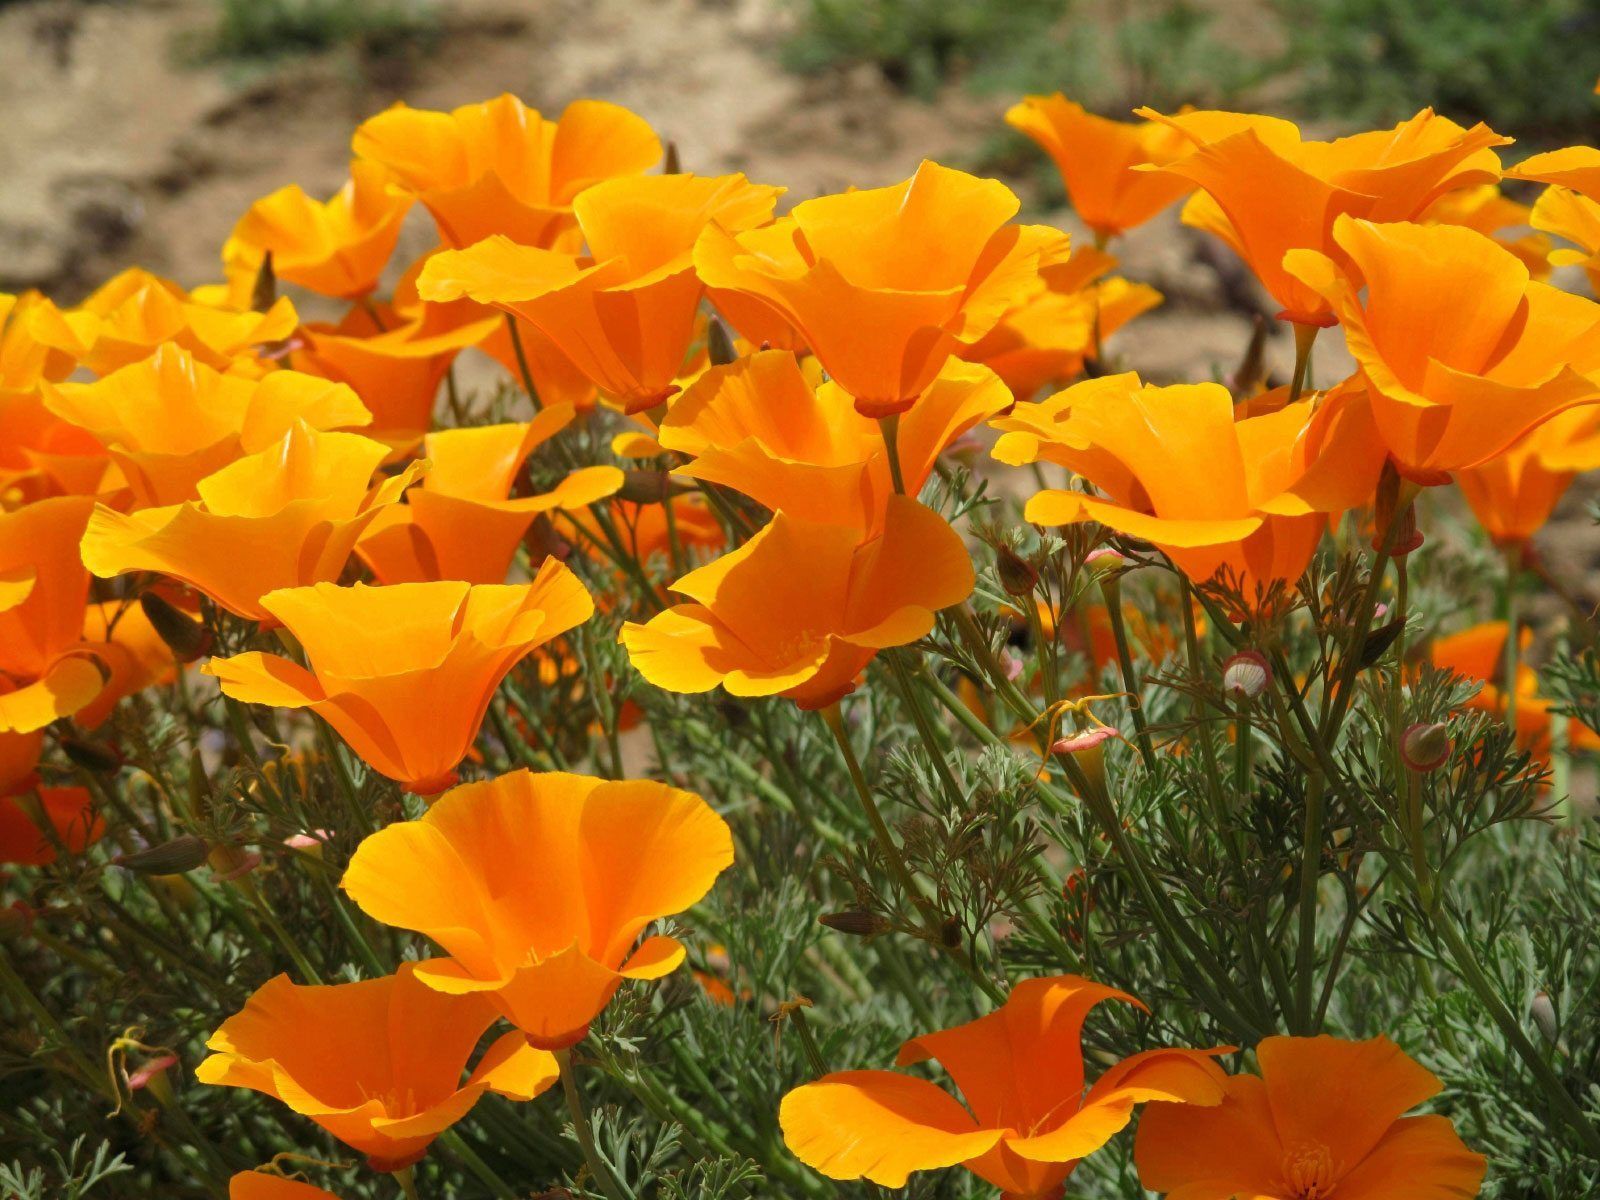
(170, 420)
(462, 522)
(281, 518)
(405, 673)
(625, 312)
(1096, 157)
(1266, 191)
(70, 813)
(1514, 493)
(1181, 469)
(500, 168)
(759, 426)
(1047, 338)
(801, 608)
(1492, 213)
(1324, 1119)
(337, 247)
(43, 455)
(24, 360)
(1570, 207)
(1460, 351)
(377, 1063)
(647, 531)
(928, 266)
(120, 638)
(19, 756)
(263, 1185)
(134, 314)
(1027, 1118)
(539, 885)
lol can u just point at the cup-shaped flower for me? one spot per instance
(169, 420)
(1265, 191)
(1570, 207)
(461, 523)
(1325, 1119)
(1097, 156)
(1514, 493)
(760, 426)
(405, 673)
(885, 284)
(1179, 468)
(1461, 352)
(500, 168)
(33, 824)
(337, 247)
(539, 886)
(42, 455)
(377, 1064)
(1027, 1118)
(130, 652)
(134, 314)
(801, 608)
(285, 517)
(625, 312)
(1494, 214)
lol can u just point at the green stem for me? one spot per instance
(1304, 337)
(1508, 684)
(1111, 589)
(406, 1177)
(522, 363)
(890, 426)
(1310, 872)
(585, 1135)
(457, 1145)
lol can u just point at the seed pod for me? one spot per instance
(857, 922)
(169, 858)
(719, 343)
(187, 638)
(1246, 675)
(1378, 641)
(1425, 747)
(1543, 1012)
(950, 932)
(1017, 574)
(644, 487)
(92, 756)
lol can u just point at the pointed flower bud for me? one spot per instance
(1017, 574)
(719, 343)
(644, 487)
(169, 858)
(1543, 1012)
(857, 922)
(92, 756)
(1425, 747)
(187, 638)
(1246, 675)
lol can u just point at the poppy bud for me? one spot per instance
(1104, 561)
(169, 858)
(644, 487)
(153, 1075)
(1246, 675)
(950, 932)
(1379, 640)
(719, 343)
(1425, 747)
(857, 922)
(1017, 574)
(92, 756)
(265, 292)
(672, 164)
(187, 638)
(1543, 1012)
(229, 862)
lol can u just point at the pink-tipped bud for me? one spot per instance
(1104, 560)
(146, 1075)
(1425, 747)
(1246, 675)
(1013, 665)
(1088, 739)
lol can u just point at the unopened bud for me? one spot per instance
(229, 862)
(1543, 1012)
(671, 163)
(644, 487)
(169, 858)
(1378, 641)
(719, 343)
(264, 293)
(1104, 561)
(1425, 747)
(1246, 675)
(92, 756)
(1017, 574)
(950, 932)
(857, 922)
(187, 638)
(153, 1075)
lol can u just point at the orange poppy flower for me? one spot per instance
(1183, 470)
(285, 517)
(1096, 157)
(1479, 653)
(405, 673)
(801, 608)
(759, 426)
(460, 523)
(135, 313)
(1514, 493)
(261, 1185)
(170, 420)
(1570, 207)
(1027, 1119)
(43, 588)
(337, 247)
(1265, 191)
(927, 266)
(500, 168)
(19, 756)
(25, 361)
(625, 313)
(1048, 337)
(70, 812)
(118, 636)
(43, 455)
(1491, 212)
(539, 885)
(1461, 352)
(377, 1063)
(1323, 1119)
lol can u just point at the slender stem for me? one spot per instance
(457, 1145)
(522, 363)
(1111, 589)
(406, 1177)
(1310, 872)
(585, 1134)
(1304, 337)
(890, 427)
(1508, 684)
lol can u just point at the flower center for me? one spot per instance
(1308, 1169)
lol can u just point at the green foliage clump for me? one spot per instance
(267, 29)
